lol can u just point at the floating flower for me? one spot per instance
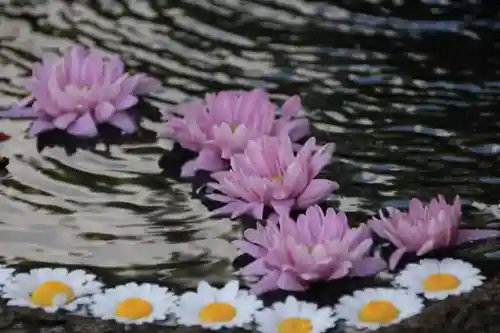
(51, 289)
(373, 308)
(80, 90)
(290, 255)
(133, 304)
(223, 125)
(425, 228)
(440, 279)
(214, 308)
(293, 316)
(268, 173)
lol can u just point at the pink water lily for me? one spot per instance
(425, 228)
(318, 246)
(80, 90)
(225, 122)
(269, 174)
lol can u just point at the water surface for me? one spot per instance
(409, 92)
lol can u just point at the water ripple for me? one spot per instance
(408, 91)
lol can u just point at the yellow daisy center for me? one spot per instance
(44, 293)
(440, 282)
(133, 308)
(382, 312)
(217, 312)
(294, 325)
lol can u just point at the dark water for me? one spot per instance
(409, 92)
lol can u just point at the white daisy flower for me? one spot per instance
(133, 304)
(440, 279)
(51, 289)
(5, 274)
(215, 308)
(294, 316)
(373, 308)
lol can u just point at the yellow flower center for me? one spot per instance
(233, 127)
(294, 325)
(133, 308)
(44, 293)
(382, 312)
(440, 282)
(309, 249)
(276, 178)
(217, 312)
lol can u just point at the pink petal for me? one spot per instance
(103, 112)
(316, 191)
(189, 168)
(294, 181)
(18, 112)
(258, 210)
(114, 69)
(377, 226)
(416, 208)
(227, 209)
(129, 84)
(282, 207)
(321, 158)
(267, 283)
(302, 259)
(25, 101)
(467, 235)
(38, 126)
(297, 129)
(147, 85)
(249, 104)
(396, 257)
(257, 267)
(91, 68)
(254, 250)
(242, 210)
(287, 281)
(291, 107)
(362, 248)
(368, 266)
(428, 246)
(77, 54)
(341, 271)
(307, 227)
(219, 198)
(63, 100)
(83, 126)
(207, 160)
(314, 216)
(126, 102)
(64, 120)
(256, 236)
(286, 224)
(123, 121)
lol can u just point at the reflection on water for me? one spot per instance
(407, 91)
